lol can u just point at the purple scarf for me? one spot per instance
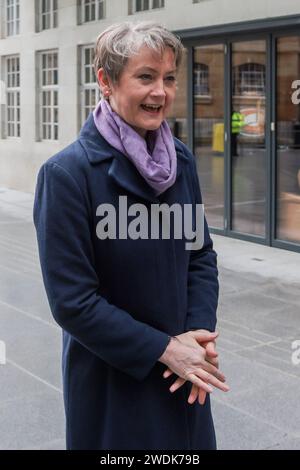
(154, 158)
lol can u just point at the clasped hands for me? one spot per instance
(193, 357)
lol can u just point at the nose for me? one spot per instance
(158, 90)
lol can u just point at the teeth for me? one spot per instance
(152, 106)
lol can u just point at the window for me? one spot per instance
(201, 79)
(158, 3)
(141, 5)
(90, 93)
(48, 13)
(12, 82)
(144, 5)
(249, 79)
(91, 10)
(48, 95)
(12, 17)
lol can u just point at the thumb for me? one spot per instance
(211, 349)
(204, 335)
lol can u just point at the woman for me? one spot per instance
(134, 309)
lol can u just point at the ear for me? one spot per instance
(102, 78)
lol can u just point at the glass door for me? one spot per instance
(251, 178)
(288, 139)
(248, 140)
(208, 102)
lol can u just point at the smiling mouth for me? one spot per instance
(152, 109)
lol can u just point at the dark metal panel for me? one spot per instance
(227, 146)
(240, 236)
(286, 245)
(263, 25)
(268, 138)
(190, 98)
(273, 143)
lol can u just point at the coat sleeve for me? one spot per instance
(72, 285)
(203, 286)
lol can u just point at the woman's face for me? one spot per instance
(145, 90)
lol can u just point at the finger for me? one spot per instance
(167, 373)
(202, 335)
(210, 379)
(211, 357)
(193, 394)
(210, 352)
(201, 396)
(211, 349)
(213, 360)
(211, 369)
(195, 379)
(177, 384)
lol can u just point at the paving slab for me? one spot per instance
(258, 319)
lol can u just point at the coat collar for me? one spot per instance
(121, 170)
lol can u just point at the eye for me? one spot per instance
(170, 78)
(145, 76)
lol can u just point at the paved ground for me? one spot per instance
(259, 317)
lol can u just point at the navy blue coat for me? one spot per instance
(118, 301)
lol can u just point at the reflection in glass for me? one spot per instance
(288, 139)
(248, 147)
(209, 128)
(177, 118)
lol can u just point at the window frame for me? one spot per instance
(133, 6)
(98, 5)
(52, 14)
(15, 91)
(14, 6)
(53, 89)
(244, 81)
(86, 86)
(202, 70)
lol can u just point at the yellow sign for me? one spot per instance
(218, 137)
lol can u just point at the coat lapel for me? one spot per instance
(121, 170)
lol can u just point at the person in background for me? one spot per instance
(237, 123)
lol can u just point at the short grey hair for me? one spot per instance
(120, 41)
